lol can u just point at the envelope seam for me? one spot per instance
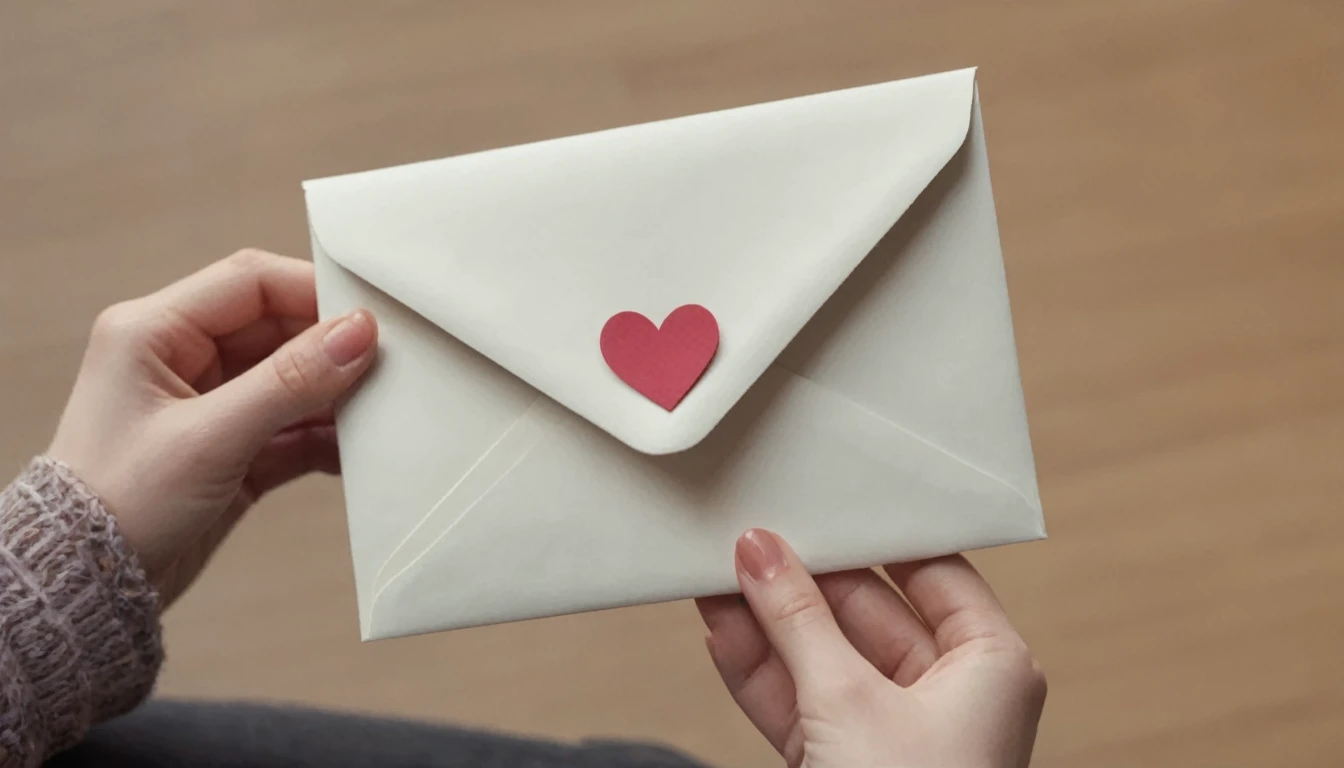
(405, 542)
(1034, 506)
(425, 518)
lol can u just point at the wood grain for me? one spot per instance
(1170, 179)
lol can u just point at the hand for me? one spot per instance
(193, 402)
(842, 673)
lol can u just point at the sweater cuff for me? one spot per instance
(79, 620)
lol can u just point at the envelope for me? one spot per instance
(864, 400)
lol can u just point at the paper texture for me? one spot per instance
(864, 400)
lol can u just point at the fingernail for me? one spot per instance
(759, 554)
(349, 339)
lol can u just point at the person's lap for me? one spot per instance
(234, 735)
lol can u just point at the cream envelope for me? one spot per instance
(864, 401)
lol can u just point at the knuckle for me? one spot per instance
(1036, 681)
(1027, 669)
(250, 258)
(839, 589)
(968, 625)
(896, 653)
(295, 372)
(747, 675)
(800, 609)
(116, 323)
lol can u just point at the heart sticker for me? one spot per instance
(661, 363)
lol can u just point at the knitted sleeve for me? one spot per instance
(79, 621)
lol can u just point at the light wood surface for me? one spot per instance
(1170, 179)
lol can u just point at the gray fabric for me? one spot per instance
(79, 620)
(225, 735)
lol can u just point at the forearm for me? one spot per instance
(79, 626)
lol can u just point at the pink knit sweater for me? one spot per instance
(79, 621)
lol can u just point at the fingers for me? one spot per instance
(230, 294)
(291, 455)
(792, 612)
(307, 374)
(753, 673)
(249, 345)
(882, 627)
(233, 353)
(986, 672)
(954, 599)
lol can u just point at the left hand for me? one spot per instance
(194, 401)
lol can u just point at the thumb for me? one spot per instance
(792, 612)
(307, 374)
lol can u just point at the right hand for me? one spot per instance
(841, 672)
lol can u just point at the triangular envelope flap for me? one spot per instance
(758, 213)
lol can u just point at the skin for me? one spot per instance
(841, 671)
(193, 402)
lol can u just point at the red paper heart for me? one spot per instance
(661, 364)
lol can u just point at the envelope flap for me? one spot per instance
(757, 213)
